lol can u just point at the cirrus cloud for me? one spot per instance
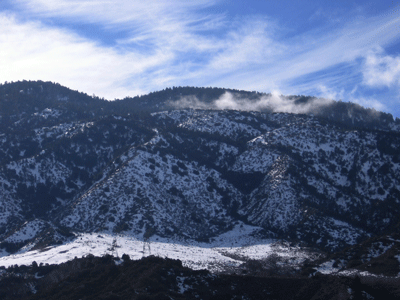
(143, 46)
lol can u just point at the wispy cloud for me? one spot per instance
(153, 54)
(30, 50)
(368, 102)
(252, 44)
(274, 102)
(155, 23)
(190, 43)
(381, 70)
(330, 93)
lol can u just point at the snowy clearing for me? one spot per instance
(210, 256)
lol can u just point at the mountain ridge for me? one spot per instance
(75, 163)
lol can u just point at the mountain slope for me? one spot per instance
(71, 162)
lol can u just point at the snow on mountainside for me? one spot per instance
(232, 125)
(150, 192)
(86, 165)
(229, 249)
(298, 169)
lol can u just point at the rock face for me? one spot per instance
(70, 162)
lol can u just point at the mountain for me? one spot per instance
(175, 165)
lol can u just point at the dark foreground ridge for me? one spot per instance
(157, 278)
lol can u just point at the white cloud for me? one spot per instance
(153, 55)
(330, 93)
(32, 51)
(251, 45)
(381, 70)
(157, 23)
(315, 53)
(186, 43)
(368, 102)
(274, 102)
(351, 96)
(113, 12)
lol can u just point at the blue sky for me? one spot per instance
(348, 50)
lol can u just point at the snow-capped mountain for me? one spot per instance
(143, 167)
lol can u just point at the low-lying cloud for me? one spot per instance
(270, 102)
